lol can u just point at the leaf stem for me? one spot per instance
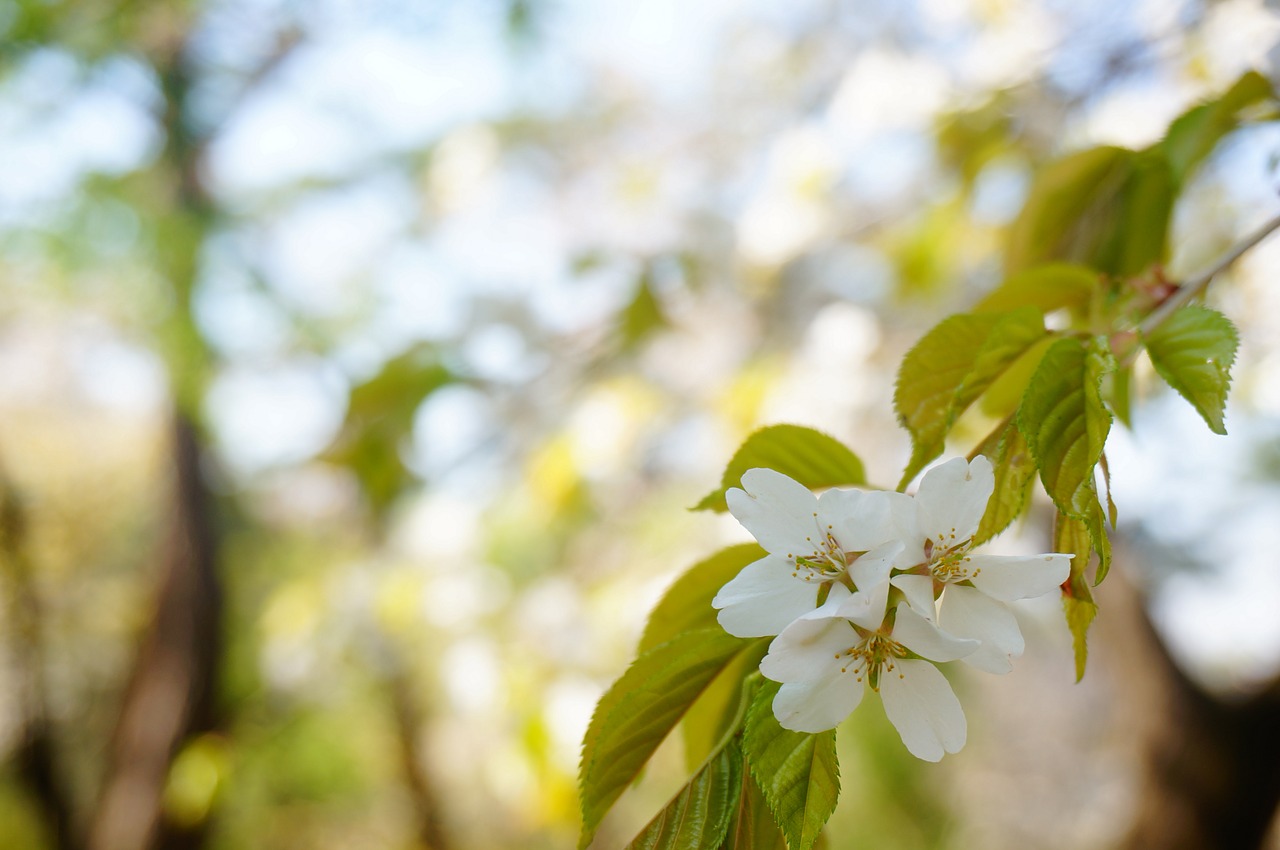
(1196, 284)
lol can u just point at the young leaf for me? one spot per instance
(698, 817)
(637, 713)
(1072, 536)
(1015, 471)
(950, 367)
(797, 772)
(1193, 351)
(1194, 134)
(1065, 421)
(1047, 288)
(811, 457)
(1105, 207)
(753, 827)
(687, 603)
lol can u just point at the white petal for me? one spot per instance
(969, 613)
(777, 510)
(924, 638)
(1010, 577)
(808, 650)
(831, 607)
(922, 707)
(819, 705)
(871, 574)
(919, 593)
(764, 598)
(953, 497)
(859, 519)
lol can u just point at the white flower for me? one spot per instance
(949, 505)
(825, 662)
(810, 540)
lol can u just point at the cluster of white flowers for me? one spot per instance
(866, 588)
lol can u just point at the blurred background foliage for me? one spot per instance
(358, 362)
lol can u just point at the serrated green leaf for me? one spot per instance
(640, 710)
(1071, 536)
(798, 773)
(698, 817)
(1121, 395)
(1015, 472)
(1065, 421)
(1193, 351)
(1195, 133)
(950, 367)
(687, 603)
(1049, 287)
(708, 720)
(1004, 395)
(752, 826)
(811, 457)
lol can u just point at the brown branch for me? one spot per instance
(171, 693)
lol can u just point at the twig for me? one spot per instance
(1195, 285)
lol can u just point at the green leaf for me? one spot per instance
(379, 418)
(1065, 421)
(1072, 536)
(1105, 207)
(811, 457)
(797, 772)
(950, 367)
(709, 719)
(1015, 471)
(1193, 351)
(687, 603)
(1194, 134)
(698, 817)
(753, 827)
(637, 713)
(1049, 287)
(1121, 395)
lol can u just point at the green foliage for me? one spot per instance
(1065, 421)
(950, 367)
(687, 603)
(1193, 351)
(1194, 134)
(1049, 287)
(379, 418)
(811, 457)
(753, 827)
(698, 817)
(1071, 536)
(1105, 207)
(640, 710)
(642, 316)
(713, 714)
(797, 772)
(1015, 473)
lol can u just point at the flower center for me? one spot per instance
(826, 562)
(868, 660)
(948, 559)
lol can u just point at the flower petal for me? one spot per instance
(1010, 577)
(967, 612)
(764, 598)
(871, 574)
(808, 650)
(777, 510)
(859, 519)
(818, 705)
(953, 497)
(924, 638)
(919, 593)
(921, 705)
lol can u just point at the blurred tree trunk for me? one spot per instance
(1211, 771)
(36, 755)
(171, 695)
